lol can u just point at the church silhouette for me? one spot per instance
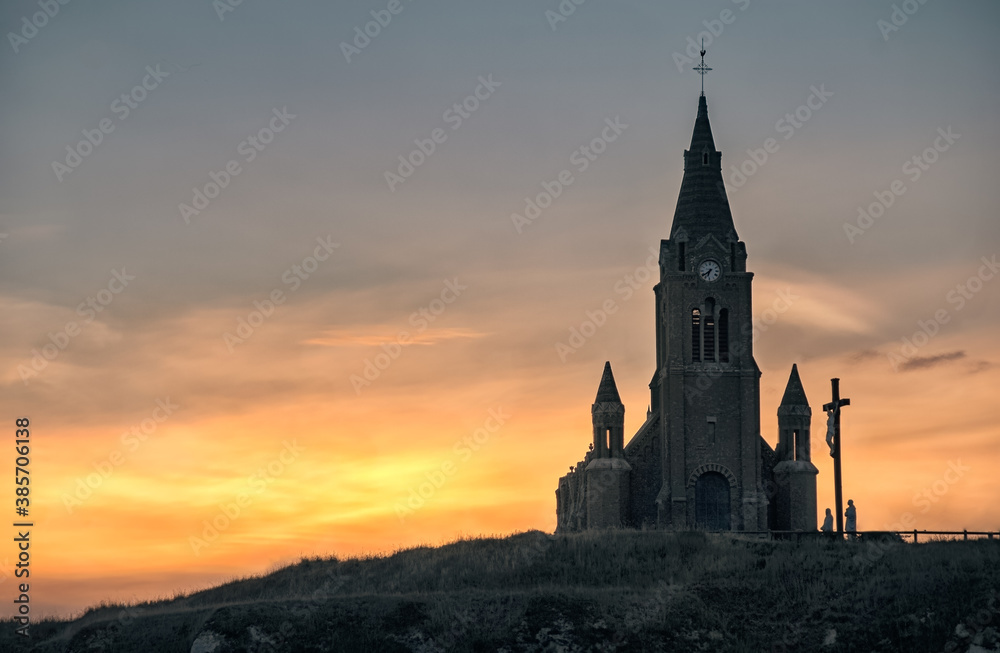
(699, 461)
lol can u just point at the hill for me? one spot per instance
(608, 591)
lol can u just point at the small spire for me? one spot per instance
(702, 68)
(795, 394)
(607, 391)
(701, 138)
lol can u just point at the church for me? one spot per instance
(698, 462)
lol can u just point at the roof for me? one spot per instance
(795, 394)
(607, 391)
(702, 203)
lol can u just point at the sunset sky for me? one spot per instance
(246, 345)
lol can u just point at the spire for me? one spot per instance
(701, 139)
(607, 392)
(702, 204)
(795, 394)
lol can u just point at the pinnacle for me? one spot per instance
(607, 391)
(795, 394)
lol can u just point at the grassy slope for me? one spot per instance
(624, 591)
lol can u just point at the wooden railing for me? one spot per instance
(871, 535)
(965, 534)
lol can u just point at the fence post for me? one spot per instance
(966, 532)
(914, 536)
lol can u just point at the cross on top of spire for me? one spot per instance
(702, 68)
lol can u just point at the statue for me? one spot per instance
(831, 416)
(828, 522)
(852, 519)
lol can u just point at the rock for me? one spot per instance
(207, 642)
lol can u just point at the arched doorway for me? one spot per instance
(711, 502)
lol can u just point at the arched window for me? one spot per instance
(708, 351)
(704, 158)
(709, 333)
(696, 335)
(724, 335)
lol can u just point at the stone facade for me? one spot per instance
(699, 461)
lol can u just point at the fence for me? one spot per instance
(872, 535)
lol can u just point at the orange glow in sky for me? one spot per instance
(321, 363)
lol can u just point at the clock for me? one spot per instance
(709, 270)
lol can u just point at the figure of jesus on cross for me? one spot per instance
(833, 432)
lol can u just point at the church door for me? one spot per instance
(711, 502)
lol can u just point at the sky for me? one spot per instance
(270, 289)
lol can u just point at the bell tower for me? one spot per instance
(706, 387)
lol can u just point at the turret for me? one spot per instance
(607, 474)
(794, 473)
(608, 414)
(794, 417)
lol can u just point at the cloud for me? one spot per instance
(980, 366)
(922, 362)
(375, 336)
(864, 355)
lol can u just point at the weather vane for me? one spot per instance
(702, 68)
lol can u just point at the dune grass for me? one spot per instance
(597, 591)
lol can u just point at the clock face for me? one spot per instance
(709, 270)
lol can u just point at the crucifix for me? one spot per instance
(833, 439)
(702, 68)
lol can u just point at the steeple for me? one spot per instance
(794, 473)
(701, 139)
(795, 394)
(702, 204)
(607, 391)
(608, 415)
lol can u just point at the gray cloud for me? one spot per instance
(924, 362)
